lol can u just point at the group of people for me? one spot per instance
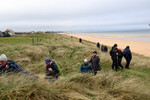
(103, 47)
(93, 65)
(117, 55)
(9, 66)
(53, 70)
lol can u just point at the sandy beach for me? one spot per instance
(139, 47)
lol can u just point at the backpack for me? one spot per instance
(111, 52)
(60, 72)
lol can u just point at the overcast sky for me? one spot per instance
(74, 15)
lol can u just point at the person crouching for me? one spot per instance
(51, 68)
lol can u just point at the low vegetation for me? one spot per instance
(69, 54)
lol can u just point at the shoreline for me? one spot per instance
(139, 47)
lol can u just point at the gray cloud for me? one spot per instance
(74, 15)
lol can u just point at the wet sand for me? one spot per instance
(139, 47)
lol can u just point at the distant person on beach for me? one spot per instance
(128, 56)
(86, 67)
(111, 54)
(95, 61)
(98, 45)
(105, 49)
(120, 55)
(115, 58)
(9, 66)
(80, 40)
(52, 70)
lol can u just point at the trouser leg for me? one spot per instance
(116, 65)
(113, 64)
(119, 63)
(95, 72)
(128, 63)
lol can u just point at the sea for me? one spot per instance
(143, 35)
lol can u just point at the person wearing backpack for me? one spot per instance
(128, 56)
(52, 69)
(86, 67)
(10, 66)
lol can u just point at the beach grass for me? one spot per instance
(69, 54)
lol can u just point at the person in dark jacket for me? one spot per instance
(8, 66)
(120, 55)
(115, 46)
(105, 48)
(98, 45)
(86, 67)
(115, 59)
(80, 40)
(95, 60)
(111, 54)
(51, 68)
(128, 56)
(102, 48)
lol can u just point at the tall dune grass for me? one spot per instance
(69, 54)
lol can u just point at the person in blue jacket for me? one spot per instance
(128, 56)
(9, 66)
(86, 67)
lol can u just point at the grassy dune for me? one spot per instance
(69, 54)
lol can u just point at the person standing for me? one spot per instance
(111, 54)
(115, 59)
(120, 55)
(98, 45)
(80, 40)
(95, 61)
(128, 56)
(115, 46)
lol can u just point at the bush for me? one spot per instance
(5, 34)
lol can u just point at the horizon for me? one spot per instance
(74, 15)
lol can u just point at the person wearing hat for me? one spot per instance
(51, 68)
(128, 56)
(3, 63)
(85, 67)
(95, 61)
(10, 66)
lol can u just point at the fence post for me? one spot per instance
(33, 41)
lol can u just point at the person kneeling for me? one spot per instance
(86, 67)
(51, 69)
